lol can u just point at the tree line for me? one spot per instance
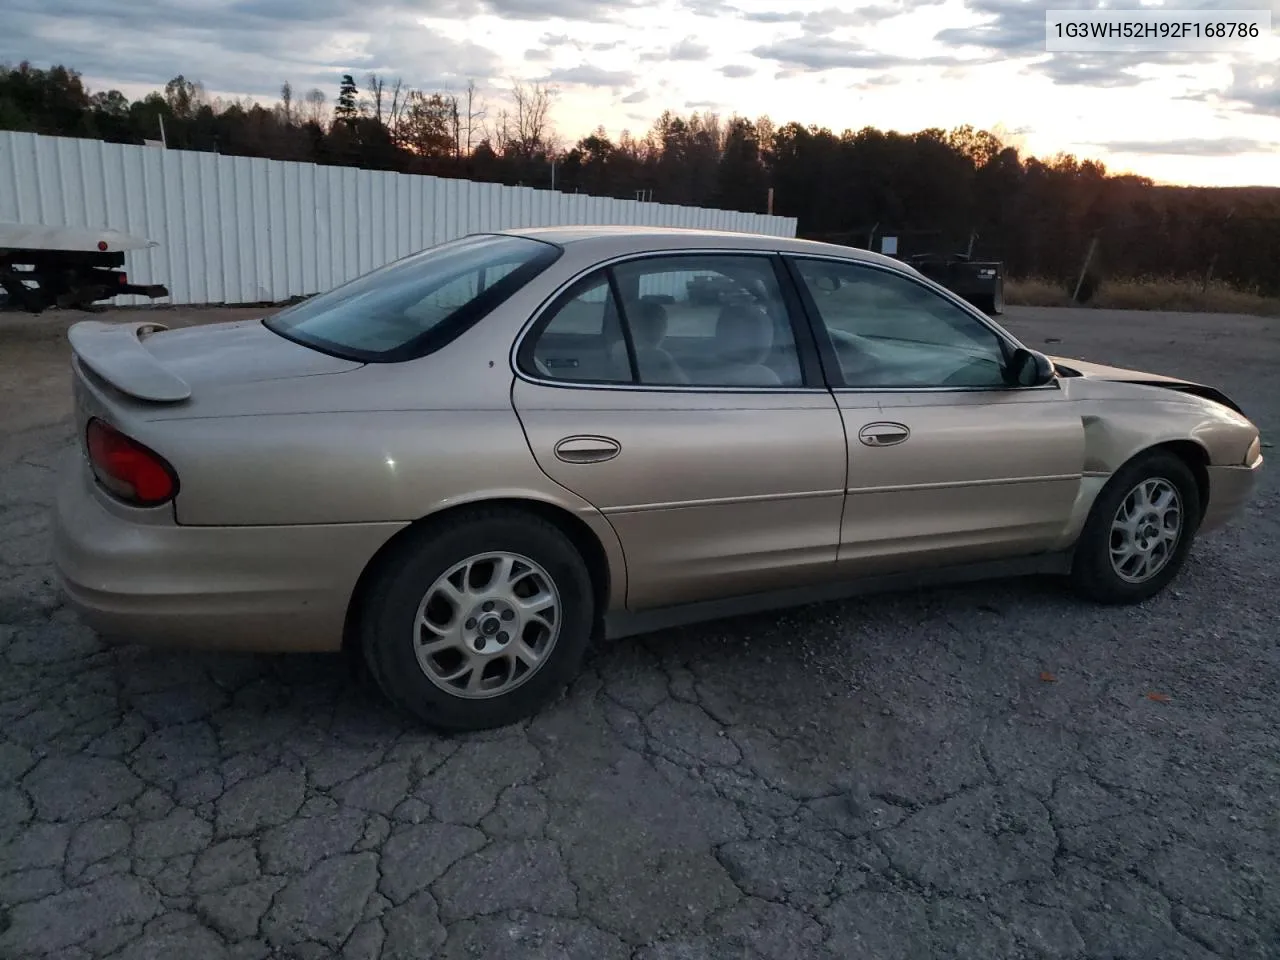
(937, 190)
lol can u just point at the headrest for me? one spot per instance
(744, 332)
(648, 323)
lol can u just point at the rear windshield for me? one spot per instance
(417, 304)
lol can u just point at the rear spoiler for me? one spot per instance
(114, 351)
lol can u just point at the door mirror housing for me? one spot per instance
(1028, 368)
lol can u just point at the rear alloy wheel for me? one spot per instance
(1139, 531)
(487, 625)
(479, 623)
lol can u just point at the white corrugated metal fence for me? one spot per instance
(246, 230)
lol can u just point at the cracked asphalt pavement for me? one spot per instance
(986, 771)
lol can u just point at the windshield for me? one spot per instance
(417, 304)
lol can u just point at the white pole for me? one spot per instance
(1084, 268)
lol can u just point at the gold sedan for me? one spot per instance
(468, 464)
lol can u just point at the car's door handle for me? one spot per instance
(883, 434)
(587, 449)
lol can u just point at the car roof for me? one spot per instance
(621, 240)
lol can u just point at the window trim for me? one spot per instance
(453, 325)
(826, 350)
(624, 323)
(807, 347)
(523, 350)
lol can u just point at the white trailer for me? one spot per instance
(69, 267)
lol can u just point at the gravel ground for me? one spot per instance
(991, 771)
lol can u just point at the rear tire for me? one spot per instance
(480, 621)
(1139, 531)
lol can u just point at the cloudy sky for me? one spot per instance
(1207, 118)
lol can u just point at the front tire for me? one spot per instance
(480, 621)
(1139, 531)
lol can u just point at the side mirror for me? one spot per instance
(1028, 368)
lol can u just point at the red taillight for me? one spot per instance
(128, 469)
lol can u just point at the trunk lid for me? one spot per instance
(150, 362)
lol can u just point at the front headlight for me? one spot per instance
(1255, 451)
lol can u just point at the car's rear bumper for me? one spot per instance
(234, 588)
(1229, 490)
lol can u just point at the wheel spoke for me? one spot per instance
(540, 601)
(456, 674)
(1140, 567)
(502, 573)
(451, 593)
(439, 629)
(476, 680)
(1141, 498)
(1128, 508)
(525, 653)
(441, 643)
(1123, 527)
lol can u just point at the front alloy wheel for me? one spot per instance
(1139, 531)
(1146, 530)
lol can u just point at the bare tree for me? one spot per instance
(472, 120)
(533, 114)
(315, 104)
(396, 112)
(526, 128)
(376, 87)
(455, 125)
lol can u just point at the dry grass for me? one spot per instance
(1171, 295)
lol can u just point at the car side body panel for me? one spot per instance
(136, 576)
(298, 468)
(711, 493)
(981, 474)
(368, 446)
(1122, 419)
